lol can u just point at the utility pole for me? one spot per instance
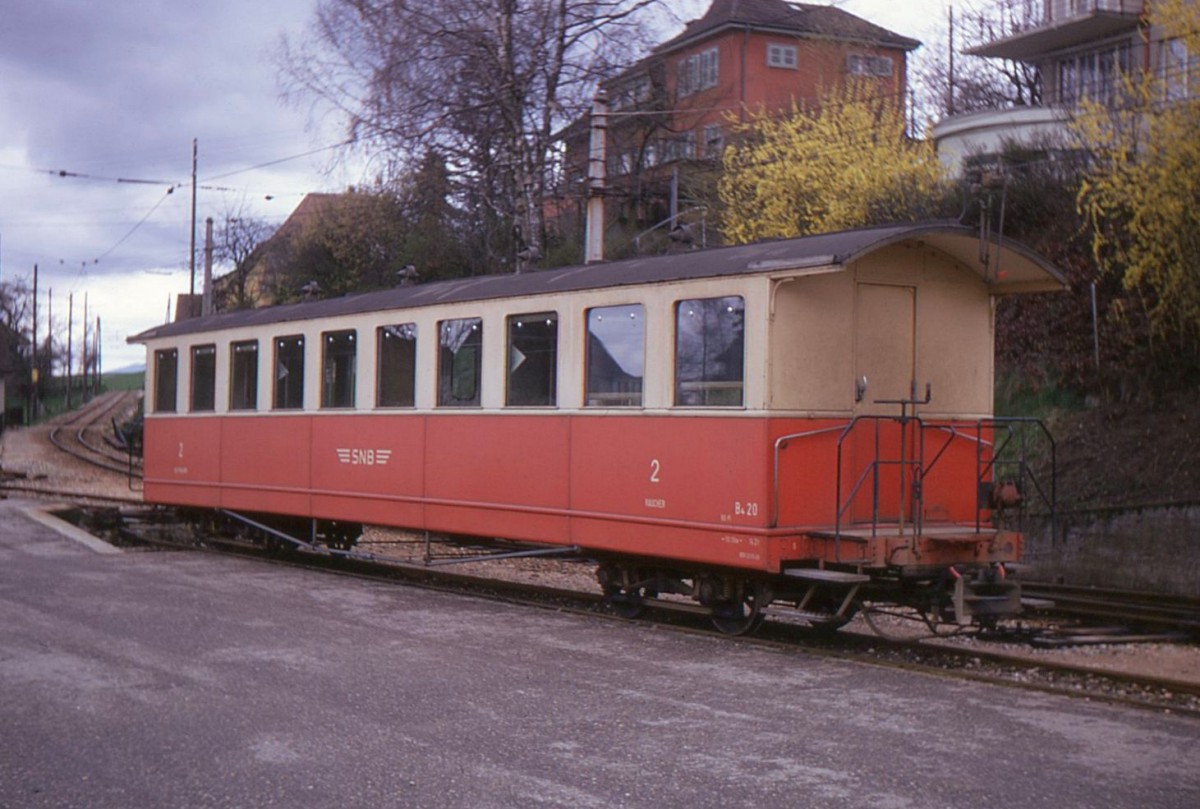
(950, 88)
(50, 336)
(70, 327)
(206, 302)
(596, 188)
(192, 253)
(33, 405)
(85, 357)
(99, 379)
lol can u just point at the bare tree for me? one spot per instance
(956, 83)
(485, 82)
(240, 241)
(15, 345)
(15, 302)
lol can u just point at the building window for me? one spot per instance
(460, 367)
(679, 147)
(651, 154)
(204, 378)
(243, 376)
(632, 94)
(166, 369)
(699, 71)
(616, 356)
(532, 360)
(289, 373)
(781, 55)
(1176, 69)
(860, 65)
(620, 164)
(338, 350)
(397, 349)
(714, 142)
(1094, 76)
(710, 339)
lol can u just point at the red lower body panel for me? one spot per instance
(708, 490)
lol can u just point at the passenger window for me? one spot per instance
(710, 352)
(289, 373)
(616, 356)
(532, 360)
(204, 378)
(459, 366)
(337, 364)
(243, 376)
(166, 367)
(397, 349)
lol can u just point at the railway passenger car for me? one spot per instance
(804, 422)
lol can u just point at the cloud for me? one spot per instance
(119, 90)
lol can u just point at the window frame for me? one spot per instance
(707, 384)
(870, 65)
(791, 52)
(593, 396)
(408, 334)
(243, 348)
(449, 374)
(285, 395)
(208, 350)
(513, 323)
(1176, 66)
(714, 141)
(338, 392)
(698, 72)
(166, 365)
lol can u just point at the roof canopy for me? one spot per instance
(1011, 268)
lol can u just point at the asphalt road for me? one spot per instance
(176, 679)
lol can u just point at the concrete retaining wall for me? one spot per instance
(1153, 548)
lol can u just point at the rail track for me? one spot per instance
(1126, 607)
(75, 434)
(975, 660)
(68, 459)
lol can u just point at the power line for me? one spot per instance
(134, 229)
(269, 163)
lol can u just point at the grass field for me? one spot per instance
(55, 400)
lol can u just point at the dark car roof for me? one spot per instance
(829, 249)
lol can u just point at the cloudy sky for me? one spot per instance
(112, 92)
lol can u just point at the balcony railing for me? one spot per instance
(1043, 27)
(1060, 10)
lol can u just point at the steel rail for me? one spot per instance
(1127, 606)
(96, 410)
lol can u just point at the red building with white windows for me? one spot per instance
(672, 112)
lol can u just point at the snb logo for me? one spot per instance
(364, 457)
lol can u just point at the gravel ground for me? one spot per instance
(28, 452)
(1176, 661)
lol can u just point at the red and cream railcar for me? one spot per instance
(778, 422)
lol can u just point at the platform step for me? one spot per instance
(827, 576)
(804, 615)
(974, 599)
